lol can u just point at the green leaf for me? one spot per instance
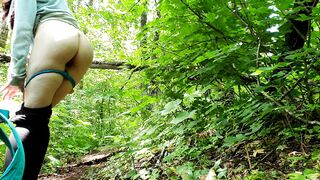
(255, 127)
(310, 171)
(296, 176)
(199, 59)
(207, 55)
(256, 73)
(183, 116)
(171, 107)
(217, 164)
(84, 123)
(222, 172)
(231, 140)
(283, 64)
(303, 17)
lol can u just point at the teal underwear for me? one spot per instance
(65, 74)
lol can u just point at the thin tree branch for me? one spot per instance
(299, 80)
(200, 17)
(246, 22)
(287, 111)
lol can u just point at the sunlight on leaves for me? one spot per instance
(183, 116)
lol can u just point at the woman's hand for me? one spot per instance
(9, 91)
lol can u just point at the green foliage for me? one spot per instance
(220, 68)
(214, 92)
(306, 174)
(217, 84)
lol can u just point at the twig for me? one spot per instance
(244, 21)
(298, 81)
(253, 32)
(130, 76)
(307, 86)
(291, 89)
(289, 112)
(135, 4)
(259, 161)
(200, 17)
(276, 168)
(257, 57)
(248, 156)
(163, 151)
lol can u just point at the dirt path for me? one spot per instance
(79, 170)
(68, 174)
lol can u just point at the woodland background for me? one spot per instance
(194, 89)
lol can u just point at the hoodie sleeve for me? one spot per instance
(22, 35)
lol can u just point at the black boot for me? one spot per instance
(32, 127)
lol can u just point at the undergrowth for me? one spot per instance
(214, 89)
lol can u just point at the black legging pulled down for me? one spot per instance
(32, 127)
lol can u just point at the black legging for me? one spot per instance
(32, 127)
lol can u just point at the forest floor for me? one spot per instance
(80, 169)
(296, 162)
(67, 173)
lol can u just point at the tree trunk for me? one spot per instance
(299, 30)
(143, 22)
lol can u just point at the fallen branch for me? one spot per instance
(248, 156)
(4, 58)
(260, 160)
(96, 158)
(111, 65)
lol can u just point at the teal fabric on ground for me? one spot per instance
(16, 168)
(65, 74)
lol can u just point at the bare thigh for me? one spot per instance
(55, 44)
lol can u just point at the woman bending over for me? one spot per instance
(60, 56)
